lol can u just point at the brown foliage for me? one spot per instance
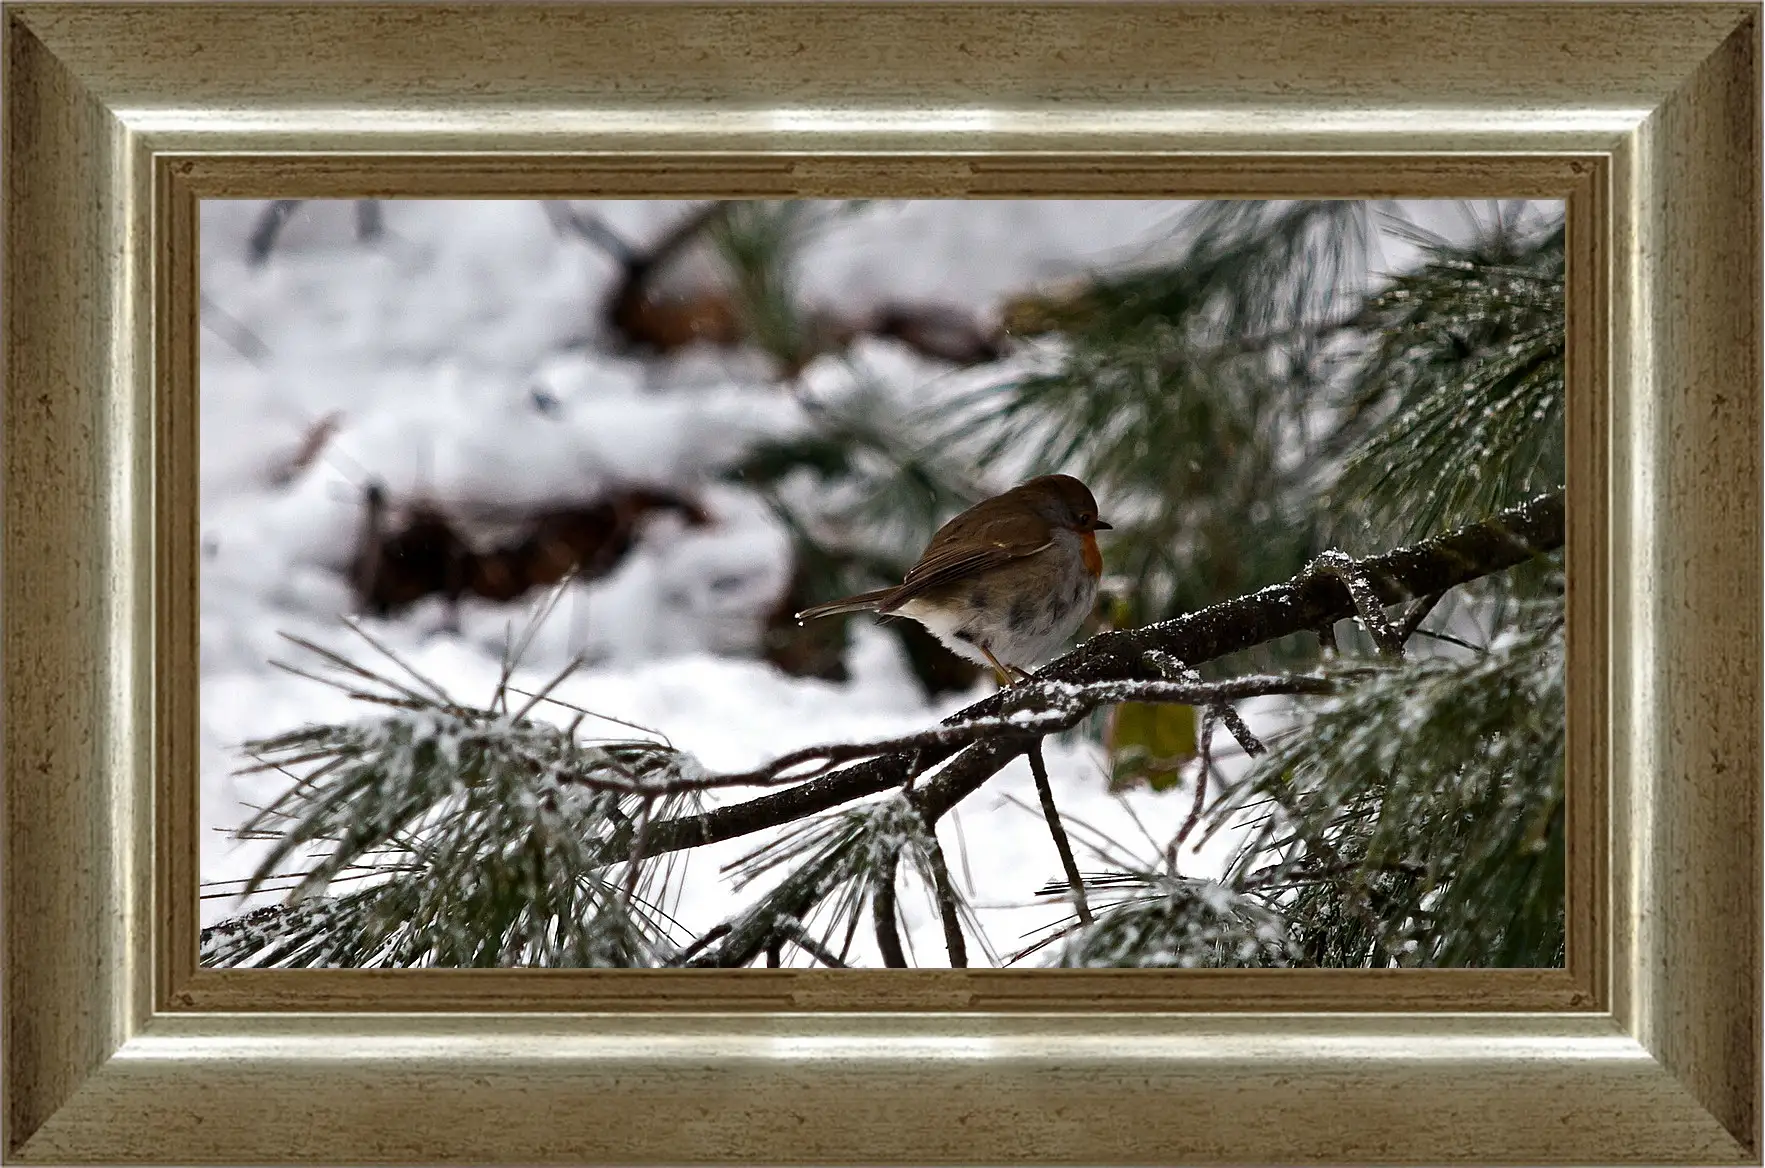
(421, 550)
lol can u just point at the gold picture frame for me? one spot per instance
(1645, 118)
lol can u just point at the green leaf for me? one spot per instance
(1149, 743)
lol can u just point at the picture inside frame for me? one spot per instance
(517, 518)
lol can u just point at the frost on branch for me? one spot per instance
(474, 838)
(1419, 820)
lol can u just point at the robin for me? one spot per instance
(1006, 582)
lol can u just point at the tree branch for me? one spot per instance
(1043, 708)
(947, 904)
(1201, 773)
(1304, 603)
(1247, 742)
(1062, 845)
(794, 931)
(716, 933)
(1355, 578)
(882, 910)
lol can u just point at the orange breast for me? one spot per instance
(1093, 557)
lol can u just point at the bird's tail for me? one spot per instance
(863, 602)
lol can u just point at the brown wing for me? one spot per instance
(974, 541)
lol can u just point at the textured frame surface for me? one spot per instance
(1646, 118)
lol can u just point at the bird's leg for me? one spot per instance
(999, 673)
(1007, 675)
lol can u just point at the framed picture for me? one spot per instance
(1301, 462)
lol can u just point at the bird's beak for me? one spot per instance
(1099, 525)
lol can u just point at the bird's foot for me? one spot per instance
(1010, 675)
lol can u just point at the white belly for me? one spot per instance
(1051, 622)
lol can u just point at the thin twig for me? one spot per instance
(590, 228)
(1208, 718)
(545, 690)
(1412, 620)
(800, 937)
(1065, 707)
(1449, 639)
(1062, 845)
(715, 934)
(269, 226)
(1247, 742)
(882, 913)
(236, 333)
(948, 905)
(1175, 670)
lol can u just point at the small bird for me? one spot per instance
(1004, 583)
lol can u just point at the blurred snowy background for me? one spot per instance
(369, 369)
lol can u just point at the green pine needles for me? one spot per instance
(1417, 818)
(1466, 375)
(476, 837)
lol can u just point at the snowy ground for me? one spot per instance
(431, 343)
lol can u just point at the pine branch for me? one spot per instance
(882, 910)
(1045, 792)
(948, 906)
(1418, 821)
(1306, 603)
(1038, 709)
